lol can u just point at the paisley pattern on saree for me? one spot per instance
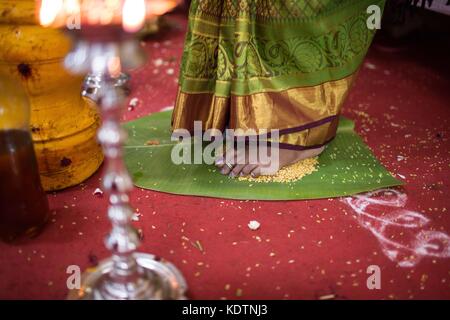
(263, 9)
(272, 64)
(251, 54)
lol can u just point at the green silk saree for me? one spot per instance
(272, 64)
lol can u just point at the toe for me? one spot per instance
(237, 170)
(220, 161)
(248, 169)
(256, 172)
(226, 169)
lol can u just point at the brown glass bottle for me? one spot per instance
(23, 202)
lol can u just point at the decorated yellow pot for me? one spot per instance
(63, 123)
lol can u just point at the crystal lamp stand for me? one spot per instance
(93, 82)
(126, 275)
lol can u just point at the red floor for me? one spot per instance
(304, 249)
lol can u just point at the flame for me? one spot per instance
(72, 6)
(133, 15)
(49, 11)
(114, 67)
(160, 7)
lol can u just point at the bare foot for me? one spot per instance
(242, 166)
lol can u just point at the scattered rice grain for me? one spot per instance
(290, 173)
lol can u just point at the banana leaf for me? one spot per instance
(346, 167)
